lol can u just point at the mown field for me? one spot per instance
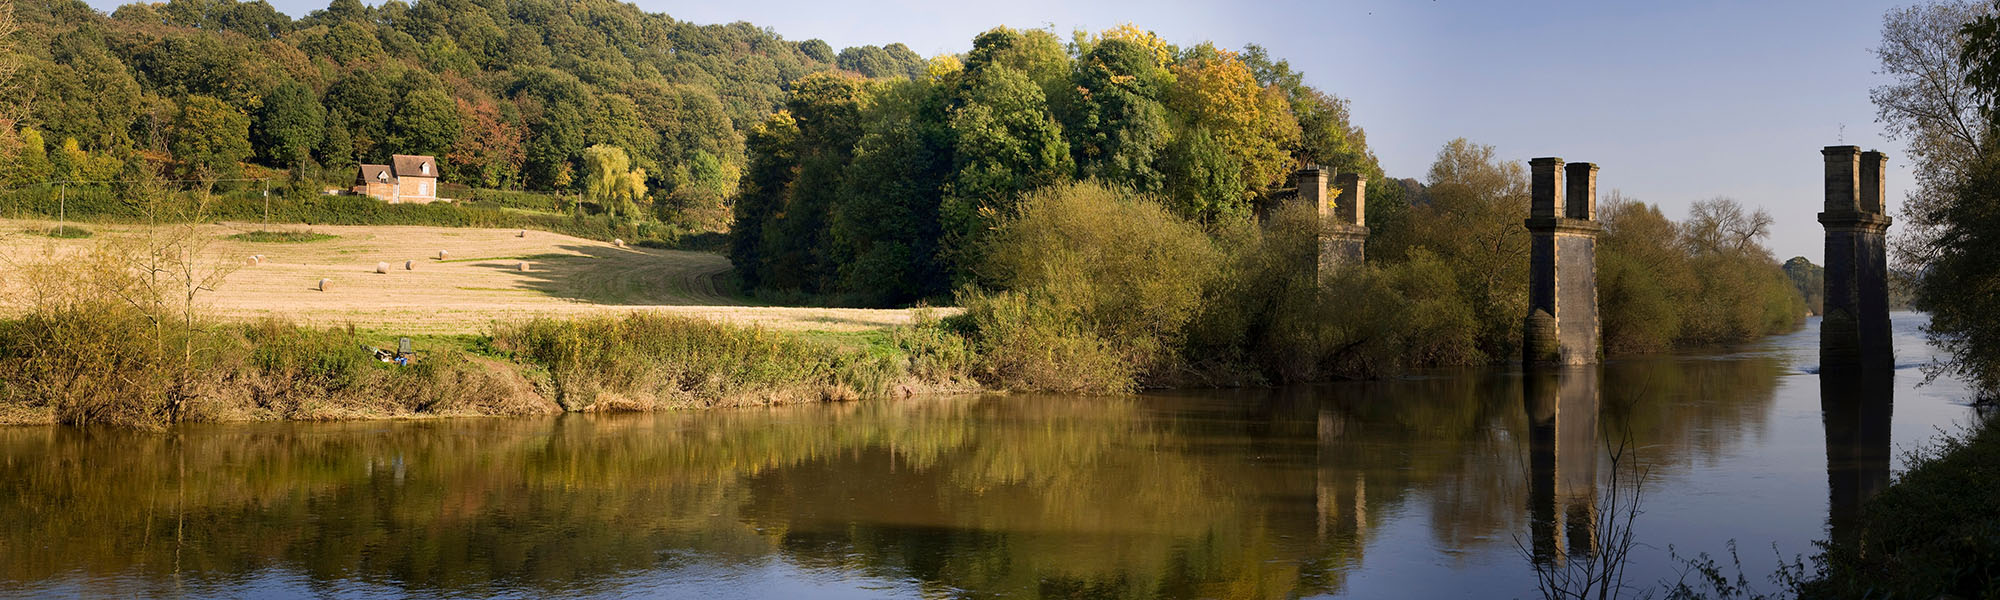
(477, 284)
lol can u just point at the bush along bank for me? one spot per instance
(1934, 533)
(99, 364)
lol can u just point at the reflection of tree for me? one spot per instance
(1256, 494)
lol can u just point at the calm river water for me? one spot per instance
(1439, 486)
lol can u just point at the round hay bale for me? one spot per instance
(618, 242)
(409, 265)
(444, 254)
(324, 283)
(254, 260)
(382, 267)
(524, 266)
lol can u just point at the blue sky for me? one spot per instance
(1676, 101)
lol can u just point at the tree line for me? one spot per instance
(507, 94)
(885, 191)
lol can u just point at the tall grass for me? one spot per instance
(650, 361)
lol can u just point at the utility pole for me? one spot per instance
(62, 210)
(266, 184)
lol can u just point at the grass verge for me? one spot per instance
(67, 232)
(282, 237)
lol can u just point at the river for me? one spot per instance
(1446, 485)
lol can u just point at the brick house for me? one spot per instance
(407, 179)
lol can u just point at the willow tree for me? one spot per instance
(611, 182)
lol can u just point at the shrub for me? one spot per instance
(648, 360)
(306, 360)
(68, 232)
(85, 364)
(282, 237)
(1091, 278)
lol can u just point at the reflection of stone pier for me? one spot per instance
(1856, 351)
(1564, 447)
(1338, 498)
(1856, 408)
(1562, 324)
(1855, 330)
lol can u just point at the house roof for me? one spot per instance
(368, 173)
(408, 165)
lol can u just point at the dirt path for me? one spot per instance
(479, 282)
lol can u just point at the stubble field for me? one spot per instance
(478, 282)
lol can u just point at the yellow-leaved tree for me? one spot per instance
(611, 182)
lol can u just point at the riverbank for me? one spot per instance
(1934, 533)
(101, 364)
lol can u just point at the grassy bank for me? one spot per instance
(1935, 533)
(101, 364)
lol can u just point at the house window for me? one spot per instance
(426, 168)
(423, 189)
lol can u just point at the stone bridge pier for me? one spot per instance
(1562, 323)
(1343, 233)
(1854, 333)
(1856, 351)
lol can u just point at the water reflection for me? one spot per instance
(1242, 495)
(1856, 406)
(1564, 449)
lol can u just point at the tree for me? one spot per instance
(209, 136)
(87, 93)
(335, 148)
(611, 182)
(1644, 278)
(1328, 137)
(1473, 224)
(426, 122)
(1810, 279)
(1007, 143)
(1721, 226)
(1931, 103)
(895, 60)
(1960, 224)
(31, 163)
(288, 125)
(488, 151)
(827, 109)
(1119, 128)
(1215, 90)
(885, 225)
(773, 149)
(696, 192)
(361, 104)
(817, 49)
(1204, 181)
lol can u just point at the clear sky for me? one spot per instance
(1676, 101)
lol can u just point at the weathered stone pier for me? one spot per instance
(1343, 233)
(1562, 322)
(1854, 333)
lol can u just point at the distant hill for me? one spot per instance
(507, 92)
